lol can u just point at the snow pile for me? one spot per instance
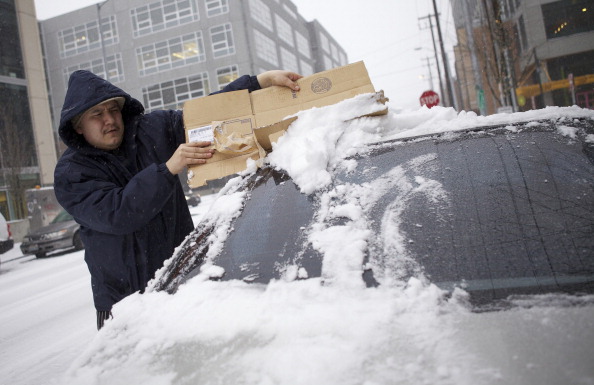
(332, 330)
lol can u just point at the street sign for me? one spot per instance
(429, 99)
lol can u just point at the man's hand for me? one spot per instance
(279, 78)
(189, 154)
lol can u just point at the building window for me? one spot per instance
(85, 37)
(334, 51)
(114, 65)
(306, 68)
(216, 7)
(222, 40)
(568, 17)
(284, 30)
(226, 75)
(172, 94)
(327, 62)
(324, 42)
(290, 11)
(302, 45)
(289, 60)
(265, 48)
(172, 53)
(261, 13)
(162, 15)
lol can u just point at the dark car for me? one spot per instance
(510, 212)
(61, 233)
(192, 198)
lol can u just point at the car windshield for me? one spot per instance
(63, 216)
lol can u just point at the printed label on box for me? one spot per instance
(201, 134)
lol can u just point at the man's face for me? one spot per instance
(102, 126)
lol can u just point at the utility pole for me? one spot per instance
(428, 17)
(478, 82)
(444, 58)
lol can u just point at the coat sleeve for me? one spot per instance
(245, 82)
(99, 201)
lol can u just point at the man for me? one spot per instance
(118, 179)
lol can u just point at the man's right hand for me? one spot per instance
(188, 154)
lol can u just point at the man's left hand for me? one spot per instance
(279, 78)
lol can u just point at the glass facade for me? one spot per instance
(18, 159)
(11, 58)
(172, 94)
(226, 75)
(216, 7)
(114, 64)
(162, 15)
(222, 40)
(172, 53)
(568, 17)
(85, 37)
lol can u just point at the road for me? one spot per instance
(46, 313)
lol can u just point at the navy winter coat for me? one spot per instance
(131, 209)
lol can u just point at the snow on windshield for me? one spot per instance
(332, 330)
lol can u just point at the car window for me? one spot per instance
(63, 216)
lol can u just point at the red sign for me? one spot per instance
(429, 99)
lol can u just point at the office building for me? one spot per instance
(27, 145)
(164, 52)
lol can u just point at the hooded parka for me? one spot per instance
(131, 209)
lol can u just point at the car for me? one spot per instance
(458, 250)
(61, 233)
(192, 198)
(6, 241)
(499, 211)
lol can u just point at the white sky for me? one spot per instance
(386, 34)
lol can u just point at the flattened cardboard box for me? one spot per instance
(244, 125)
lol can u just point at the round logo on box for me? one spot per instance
(321, 85)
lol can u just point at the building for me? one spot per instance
(556, 44)
(165, 52)
(526, 53)
(27, 145)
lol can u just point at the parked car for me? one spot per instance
(462, 256)
(193, 199)
(495, 213)
(61, 233)
(6, 241)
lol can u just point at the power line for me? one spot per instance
(389, 45)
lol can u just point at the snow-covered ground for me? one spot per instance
(296, 332)
(47, 316)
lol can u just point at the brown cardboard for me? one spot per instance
(243, 126)
(271, 105)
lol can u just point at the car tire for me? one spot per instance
(77, 242)
(40, 255)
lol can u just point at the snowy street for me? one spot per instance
(46, 312)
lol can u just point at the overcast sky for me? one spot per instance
(390, 36)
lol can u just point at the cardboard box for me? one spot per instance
(244, 125)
